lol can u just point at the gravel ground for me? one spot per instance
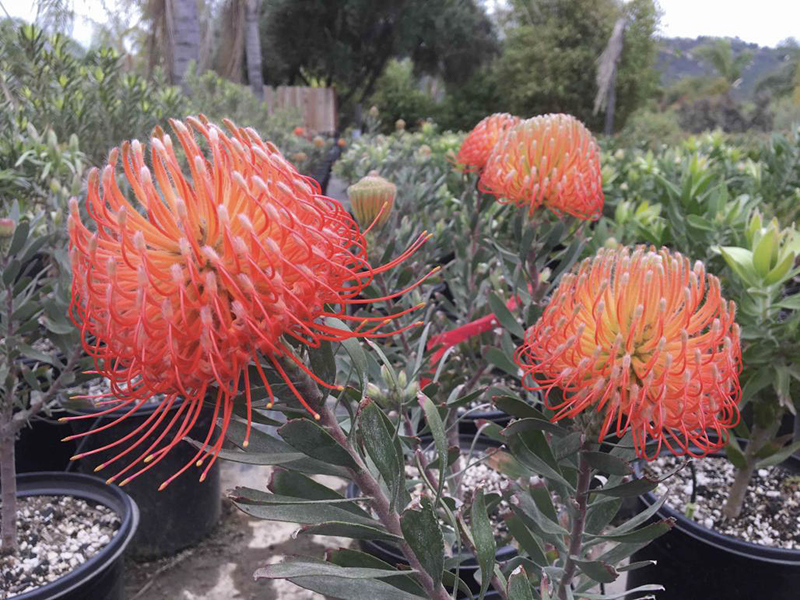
(56, 535)
(771, 513)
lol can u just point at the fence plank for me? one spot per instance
(316, 104)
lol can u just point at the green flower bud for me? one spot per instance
(372, 200)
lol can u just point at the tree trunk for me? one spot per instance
(252, 48)
(183, 21)
(612, 103)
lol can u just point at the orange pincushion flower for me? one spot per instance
(646, 338)
(552, 160)
(209, 274)
(478, 145)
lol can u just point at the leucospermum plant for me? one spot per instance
(231, 283)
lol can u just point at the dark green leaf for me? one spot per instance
(292, 483)
(358, 357)
(605, 463)
(597, 570)
(483, 538)
(422, 532)
(306, 568)
(323, 364)
(779, 456)
(499, 359)
(314, 441)
(735, 454)
(355, 531)
(526, 540)
(637, 487)
(530, 424)
(542, 521)
(519, 588)
(516, 407)
(383, 447)
(645, 534)
(504, 315)
(601, 513)
(11, 271)
(19, 239)
(345, 557)
(307, 513)
(436, 426)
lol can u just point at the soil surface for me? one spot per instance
(55, 534)
(771, 512)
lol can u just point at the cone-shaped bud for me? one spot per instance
(6, 228)
(368, 197)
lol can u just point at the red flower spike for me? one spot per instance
(647, 340)
(552, 160)
(207, 273)
(478, 145)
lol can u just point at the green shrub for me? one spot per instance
(398, 97)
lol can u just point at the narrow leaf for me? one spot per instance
(422, 532)
(483, 537)
(314, 441)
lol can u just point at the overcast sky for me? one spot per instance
(765, 22)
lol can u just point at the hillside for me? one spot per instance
(676, 60)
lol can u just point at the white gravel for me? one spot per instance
(771, 513)
(56, 534)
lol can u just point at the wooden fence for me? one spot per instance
(317, 104)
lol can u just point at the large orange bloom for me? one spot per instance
(478, 145)
(647, 340)
(210, 273)
(552, 160)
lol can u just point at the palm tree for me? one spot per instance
(252, 48)
(719, 54)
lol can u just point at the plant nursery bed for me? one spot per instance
(56, 535)
(771, 512)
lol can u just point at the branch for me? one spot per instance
(23, 416)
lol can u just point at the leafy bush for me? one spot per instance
(48, 83)
(398, 97)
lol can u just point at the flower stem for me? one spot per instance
(362, 477)
(578, 522)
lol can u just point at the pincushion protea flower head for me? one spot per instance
(550, 159)
(645, 340)
(208, 273)
(478, 145)
(372, 200)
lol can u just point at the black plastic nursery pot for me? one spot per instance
(39, 446)
(180, 515)
(100, 577)
(468, 569)
(695, 563)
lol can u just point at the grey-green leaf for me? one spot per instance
(422, 532)
(314, 441)
(483, 537)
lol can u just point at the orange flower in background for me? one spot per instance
(645, 338)
(207, 273)
(478, 145)
(299, 131)
(552, 160)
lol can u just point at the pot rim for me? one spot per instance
(726, 543)
(85, 487)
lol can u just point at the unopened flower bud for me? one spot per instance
(402, 380)
(400, 125)
(341, 142)
(300, 157)
(7, 227)
(319, 142)
(373, 112)
(368, 197)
